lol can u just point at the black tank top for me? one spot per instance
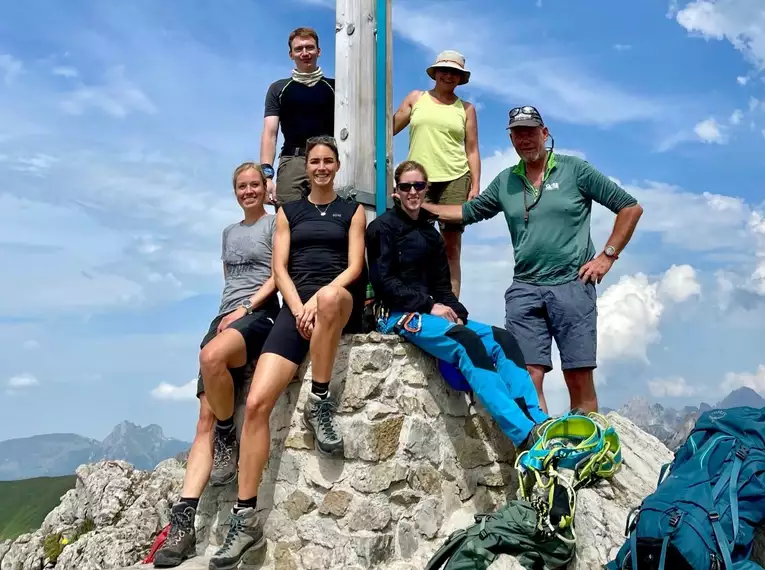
(318, 242)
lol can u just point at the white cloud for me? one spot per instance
(741, 80)
(709, 131)
(746, 288)
(754, 380)
(165, 391)
(10, 68)
(673, 387)
(630, 311)
(736, 117)
(679, 284)
(551, 77)
(24, 380)
(741, 22)
(117, 96)
(65, 71)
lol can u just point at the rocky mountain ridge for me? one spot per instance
(61, 453)
(672, 426)
(419, 462)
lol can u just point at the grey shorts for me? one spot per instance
(568, 313)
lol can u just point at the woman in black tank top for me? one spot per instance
(319, 268)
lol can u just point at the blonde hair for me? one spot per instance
(247, 166)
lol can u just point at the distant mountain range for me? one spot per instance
(61, 453)
(672, 426)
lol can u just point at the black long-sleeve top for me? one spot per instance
(408, 267)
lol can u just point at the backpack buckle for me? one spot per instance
(742, 452)
(675, 520)
(714, 517)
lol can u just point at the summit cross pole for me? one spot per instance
(364, 101)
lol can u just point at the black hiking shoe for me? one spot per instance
(245, 533)
(319, 417)
(225, 457)
(181, 542)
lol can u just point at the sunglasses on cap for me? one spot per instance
(526, 110)
(419, 186)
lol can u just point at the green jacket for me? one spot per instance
(555, 241)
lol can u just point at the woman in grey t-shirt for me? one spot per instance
(247, 311)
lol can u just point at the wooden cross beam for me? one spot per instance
(364, 101)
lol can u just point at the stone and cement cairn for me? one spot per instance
(419, 462)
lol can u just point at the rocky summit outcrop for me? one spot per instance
(419, 462)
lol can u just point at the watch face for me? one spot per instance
(610, 250)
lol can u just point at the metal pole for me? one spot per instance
(382, 119)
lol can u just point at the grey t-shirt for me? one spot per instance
(246, 255)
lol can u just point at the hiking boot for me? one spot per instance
(181, 542)
(531, 439)
(225, 457)
(319, 417)
(244, 534)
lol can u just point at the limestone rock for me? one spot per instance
(109, 519)
(419, 463)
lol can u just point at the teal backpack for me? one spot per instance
(703, 515)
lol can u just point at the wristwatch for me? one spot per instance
(247, 305)
(268, 170)
(610, 251)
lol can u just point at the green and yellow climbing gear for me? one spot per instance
(585, 444)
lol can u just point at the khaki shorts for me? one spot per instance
(450, 193)
(290, 177)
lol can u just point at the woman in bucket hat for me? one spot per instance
(443, 137)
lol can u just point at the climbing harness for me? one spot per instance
(588, 446)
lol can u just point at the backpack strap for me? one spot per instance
(722, 541)
(448, 548)
(731, 479)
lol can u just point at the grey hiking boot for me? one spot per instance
(225, 458)
(181, 542)
(319, 417)
(244, 534)
(531, 438)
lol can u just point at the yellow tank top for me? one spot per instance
(437, 138)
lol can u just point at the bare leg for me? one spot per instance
(333, 309)
(227, 350)
(453, 244)
(537, 374)
(581, 389)
(200, 460)
(272, 375)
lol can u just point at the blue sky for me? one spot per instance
(120, 124)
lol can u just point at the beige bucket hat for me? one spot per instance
(453, 60)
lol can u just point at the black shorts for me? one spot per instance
(285, 340)
(255, 328)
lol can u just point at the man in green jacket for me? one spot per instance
(547, 202)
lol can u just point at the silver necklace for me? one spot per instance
(322, 213)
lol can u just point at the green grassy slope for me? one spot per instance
(25, 504)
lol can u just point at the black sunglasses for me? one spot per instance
(407, 186)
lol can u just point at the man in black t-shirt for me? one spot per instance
(304, 105)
